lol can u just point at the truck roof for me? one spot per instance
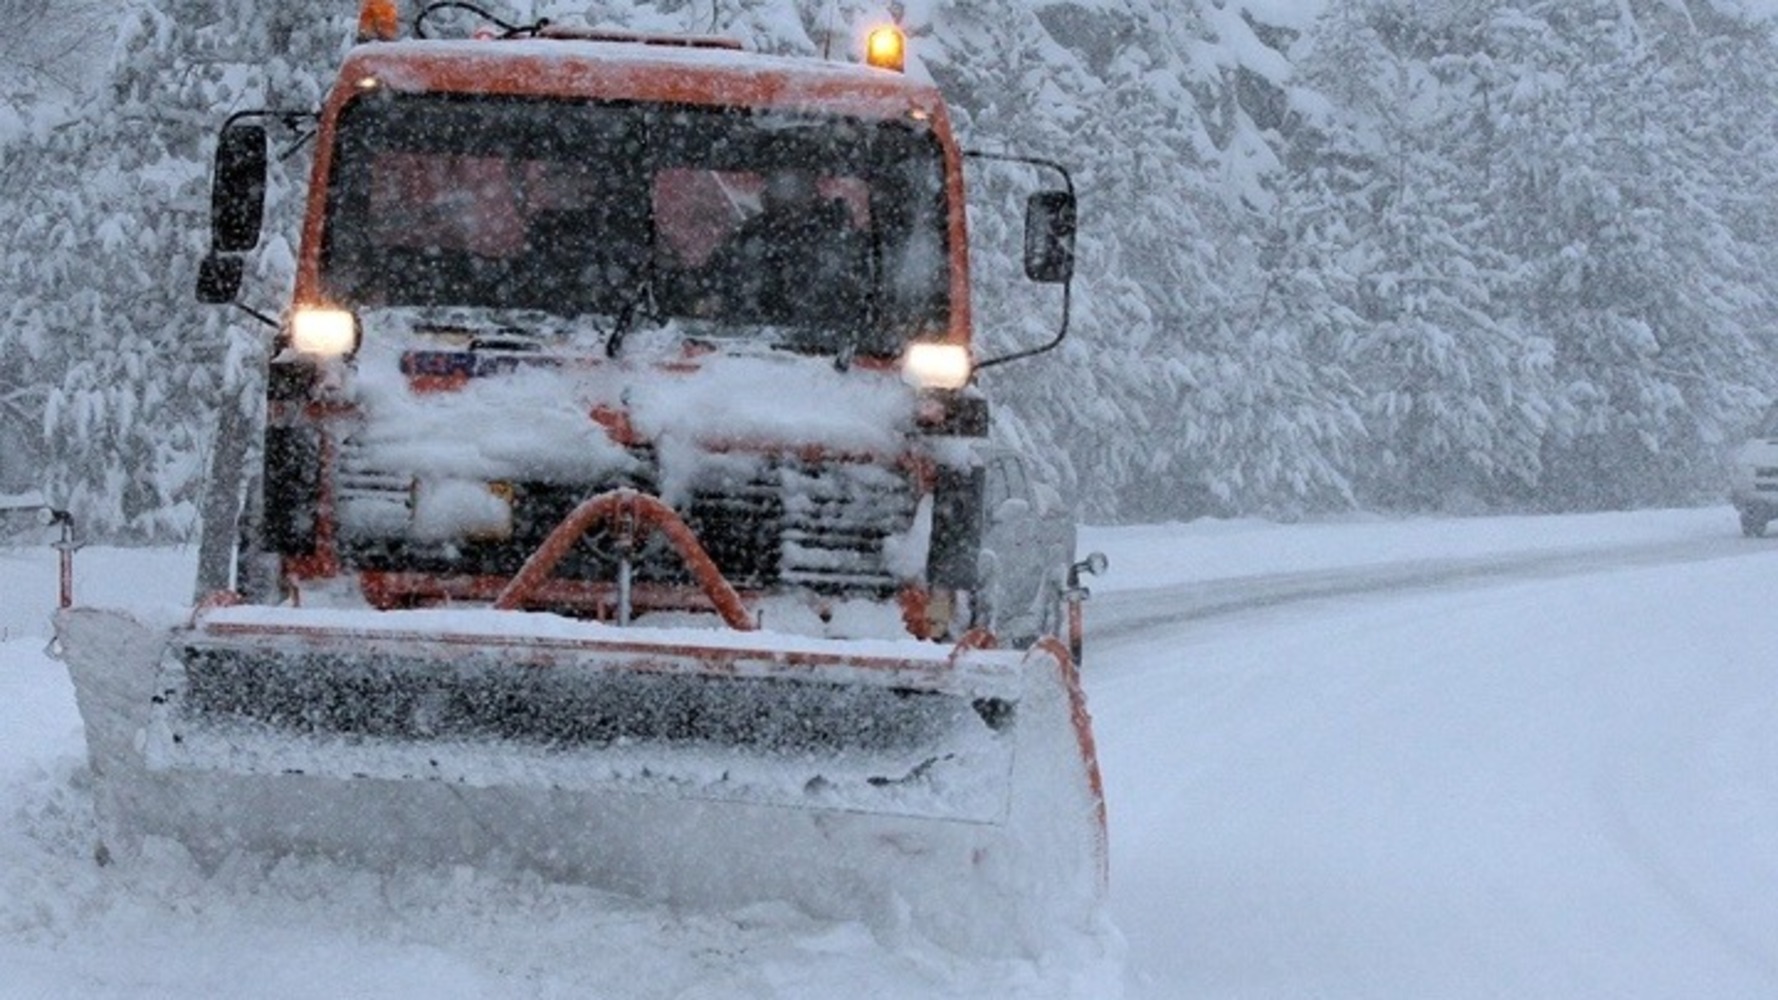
(639, 71)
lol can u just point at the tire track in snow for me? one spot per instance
(1130, 614)
(1728, 733)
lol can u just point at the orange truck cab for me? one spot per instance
(546, 263)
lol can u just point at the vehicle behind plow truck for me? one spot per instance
(621, 510)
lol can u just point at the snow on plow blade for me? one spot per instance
(879, 781)
(909, 729)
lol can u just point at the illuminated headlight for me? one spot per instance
(324, 332)
(936, 366)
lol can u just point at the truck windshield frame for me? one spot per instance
(809, 232)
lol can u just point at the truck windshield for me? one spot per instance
(817, 233)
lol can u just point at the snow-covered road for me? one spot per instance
(1452, 768)
(1480, 757)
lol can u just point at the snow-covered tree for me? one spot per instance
(47, 51)
(100, 273)
(1388, 206)
(1619, 145)
(1406, 254)
(1554, 304)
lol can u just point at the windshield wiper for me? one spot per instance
(506, 338)
(640, 300)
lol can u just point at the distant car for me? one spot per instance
(1027, 548)
(1755, 489)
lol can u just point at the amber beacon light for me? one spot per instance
(887, 48)
(378, 21)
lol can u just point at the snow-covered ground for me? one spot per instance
(1478, 757)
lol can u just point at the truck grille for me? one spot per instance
(765, 520)
(370, 504)
(817, 526)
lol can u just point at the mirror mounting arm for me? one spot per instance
(1067, 282)
(1061, 334)
(256, 314)
(291, 119)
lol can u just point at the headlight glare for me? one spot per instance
(937, 366)
(324, 332)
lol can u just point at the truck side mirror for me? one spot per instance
(237, 190)
(1049, 236)
(219, 278)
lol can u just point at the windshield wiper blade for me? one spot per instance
(628, 310)
(506, 338)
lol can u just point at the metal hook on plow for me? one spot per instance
(634, 514)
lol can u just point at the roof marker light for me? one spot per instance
(887, 48)
(378, 21)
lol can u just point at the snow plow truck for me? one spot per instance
(620, 513)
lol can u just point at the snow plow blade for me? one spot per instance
(591, 708)
(859, 779)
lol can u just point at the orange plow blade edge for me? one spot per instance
(953, 787)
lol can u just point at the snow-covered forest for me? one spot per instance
(1430, 255)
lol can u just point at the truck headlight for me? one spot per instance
(324, 332)
(937, 366)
